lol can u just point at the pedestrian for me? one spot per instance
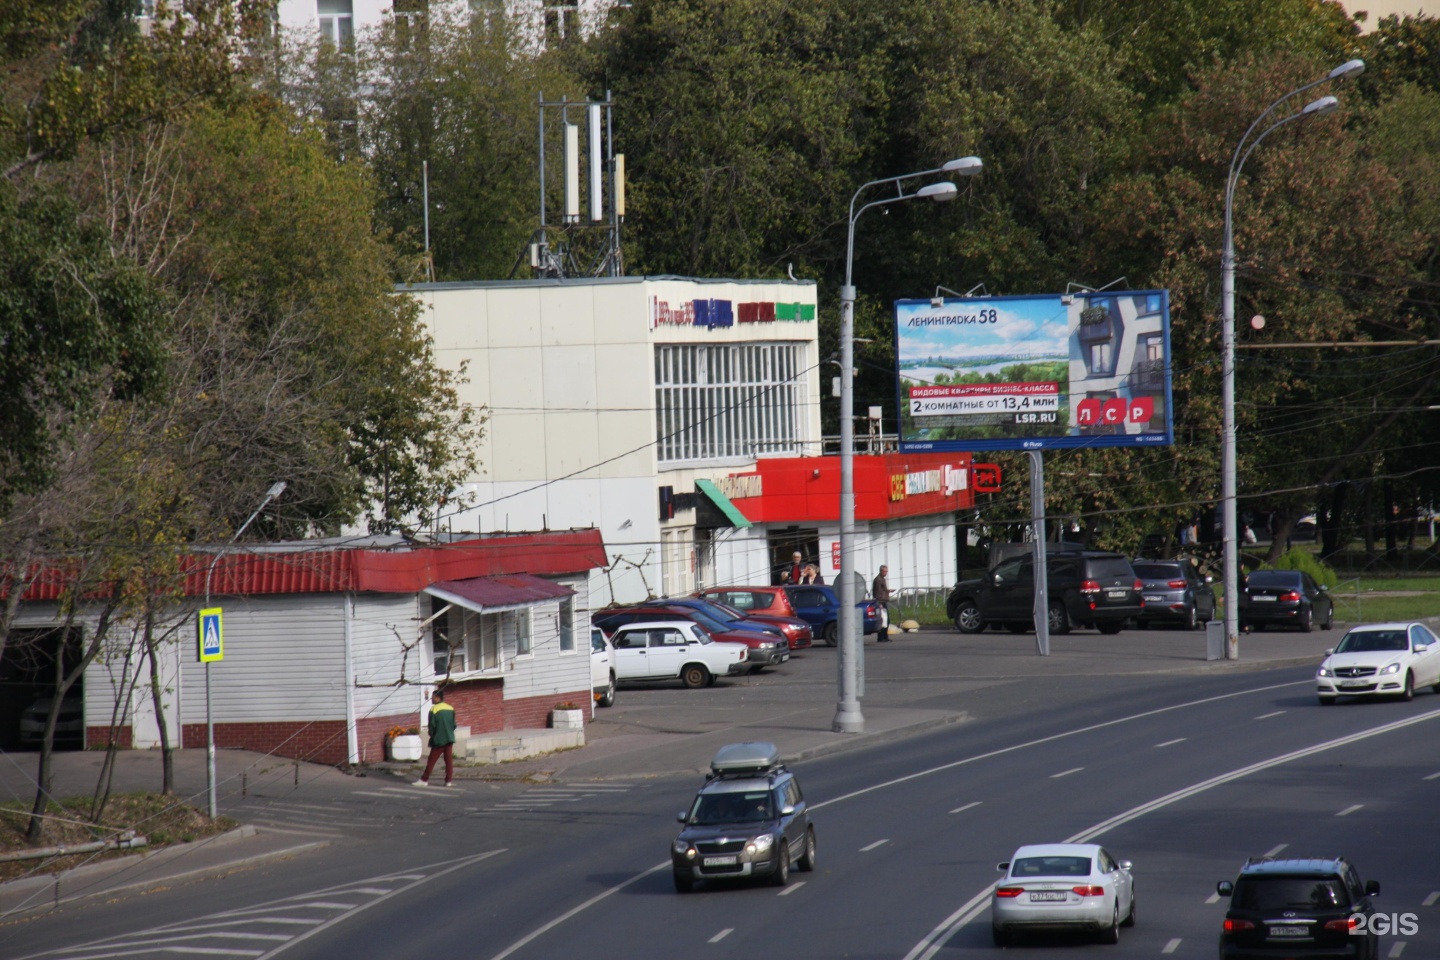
(797, 568)
(442, 739)
(811, 574)
(880, 593)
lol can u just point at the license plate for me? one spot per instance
(784, 657)
(721, 861)
(1154, 597)
(1355, 683)
(1263, 599)
(1046, 896)
(1289, 931)
(1116, 594)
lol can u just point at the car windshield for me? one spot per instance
(1281, 893)
(1157, 571)
(724, 610)
(705, 620)
(738, 807)
(1051, 867)
(1372, 641)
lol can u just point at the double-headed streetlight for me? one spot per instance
(1243, 149)
(275, 490)
(848, 718)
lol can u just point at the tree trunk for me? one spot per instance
(157, 699)
(1328, 521)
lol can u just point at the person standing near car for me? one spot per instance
(811, 574)
(442, 739)
(880, 593)
(797, 568)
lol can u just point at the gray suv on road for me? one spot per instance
(750, 819)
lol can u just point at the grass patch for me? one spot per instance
(163, 821)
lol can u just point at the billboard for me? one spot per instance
(1041, 372)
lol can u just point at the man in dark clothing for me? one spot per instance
(880, 593)
(442, 739)
(797, 568)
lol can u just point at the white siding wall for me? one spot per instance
(546, 671)
(379, 626)
(284, 661)
(920, 552)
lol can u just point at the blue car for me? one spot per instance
(819, 606)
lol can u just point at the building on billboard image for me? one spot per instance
(1034, 372)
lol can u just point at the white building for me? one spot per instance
(341, 20)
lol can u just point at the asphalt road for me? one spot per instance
(1184, 775)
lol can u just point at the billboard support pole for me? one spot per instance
(1042, 580)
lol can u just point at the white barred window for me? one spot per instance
(735, 400)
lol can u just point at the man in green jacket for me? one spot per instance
(442, 739)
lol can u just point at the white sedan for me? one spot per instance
(1380, 660)
(667, 649)
(602, 668)
(1062, 886)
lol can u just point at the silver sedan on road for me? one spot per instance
(1063, 886)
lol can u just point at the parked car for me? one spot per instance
(767, 647)
(816, 604)
(749, 820)
(795, 631)
(1285, 597)
(1054, 886)
(69, 724)
(1087, 588)
(602, 668)
(675, 649)
(1380, 660)
(1298, 908)
(1174, 592)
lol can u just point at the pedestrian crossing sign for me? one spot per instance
(212, 635)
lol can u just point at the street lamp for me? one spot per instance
(1351, 68)
(275, 490)
(848, 718)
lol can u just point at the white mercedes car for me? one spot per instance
(1380, 660)
(1062, 886)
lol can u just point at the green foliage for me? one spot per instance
(1306, 562)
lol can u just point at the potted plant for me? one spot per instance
(403, 743)
(567, 716)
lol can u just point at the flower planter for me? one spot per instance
(567, 719)
(405, 747)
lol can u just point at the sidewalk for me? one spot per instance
(663, 730)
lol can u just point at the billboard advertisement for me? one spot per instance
(1040, 372)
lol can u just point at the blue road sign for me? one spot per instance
(212, 635)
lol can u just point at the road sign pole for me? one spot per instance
(209, 746)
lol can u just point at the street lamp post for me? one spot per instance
(275, 490)
(1243, 149)
(848, 718)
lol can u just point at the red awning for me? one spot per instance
(493, 594)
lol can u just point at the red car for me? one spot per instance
(766, 604)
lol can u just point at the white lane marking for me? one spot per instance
(967, 806)
(1172, 946)
(1213, 898)
(877, 843)
(1430, 900)
(1171, 743)
(408, 794)
(931, 944)
(545, 928)
(721, 935)
(1065, 773)
(792, 888)
(1267, 716)
(1432, 776)
(273, 826)
(1350, 809)
(1274, 850)
(1396, 948)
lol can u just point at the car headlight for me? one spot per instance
(683, 849)
(1393, 668)
(760, 844)
(1323, 672)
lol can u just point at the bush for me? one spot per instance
(1306, 562)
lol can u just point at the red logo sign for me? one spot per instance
(987, 477)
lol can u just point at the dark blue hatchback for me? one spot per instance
(818, 606)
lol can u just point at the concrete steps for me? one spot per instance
(503, 745)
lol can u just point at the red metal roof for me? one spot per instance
(345, 570)
(511, 590)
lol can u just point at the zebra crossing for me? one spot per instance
(554, 797)
(263, 931)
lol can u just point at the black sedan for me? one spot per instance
(1174, 593)
(1289, 597)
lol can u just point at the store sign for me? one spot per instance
(987, 477)
(725, 313)
(738, 488)
(948, 480)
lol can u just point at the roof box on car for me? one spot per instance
(751, 757)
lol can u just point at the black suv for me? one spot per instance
(1087, 588)
(749, 820)
(1298, 908)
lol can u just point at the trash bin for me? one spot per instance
(1214, 639)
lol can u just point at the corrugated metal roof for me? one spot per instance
(492, 593)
